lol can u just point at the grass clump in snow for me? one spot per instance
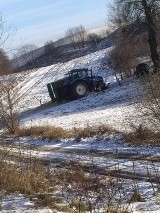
(57, 133)
(143, 136)
(28, 181)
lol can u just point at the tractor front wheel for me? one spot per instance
(80, 89)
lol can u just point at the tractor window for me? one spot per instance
(83, 74)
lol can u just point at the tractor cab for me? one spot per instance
(79, 74)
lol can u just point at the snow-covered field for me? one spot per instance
(20, 204)
(134, 165)
(112, 107)
(117, 107)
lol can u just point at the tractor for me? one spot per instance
(76, 84)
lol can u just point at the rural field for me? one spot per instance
(92, 155)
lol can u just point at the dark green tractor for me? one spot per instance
(76, 84)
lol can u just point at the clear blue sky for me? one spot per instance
(40, 20)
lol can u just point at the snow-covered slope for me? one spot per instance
(110, 107)
(35, 84)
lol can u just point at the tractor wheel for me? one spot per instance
(80, 89)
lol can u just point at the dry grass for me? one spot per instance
(45, 132)
(143, 136)
(136, 197)
(30, 181)
(85, 193)
(89, 131)
(56, 133)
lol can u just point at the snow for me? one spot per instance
(147, 207)
(108, 152)
(116, 107)
(103, 153)
(20, 204)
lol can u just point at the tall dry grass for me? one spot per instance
(28, 181)
(142, 136)
(52, 132)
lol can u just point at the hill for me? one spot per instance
(63, 51)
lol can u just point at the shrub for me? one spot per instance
(125, 53)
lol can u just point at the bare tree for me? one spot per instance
(76, 35)
(127, 12)
(8, 105)
(71, 35)
(124, 55)
(80, 35)
(8, 94)
(5, 32)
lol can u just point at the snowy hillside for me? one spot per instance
(109, 107)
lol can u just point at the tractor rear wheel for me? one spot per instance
(80, 89)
